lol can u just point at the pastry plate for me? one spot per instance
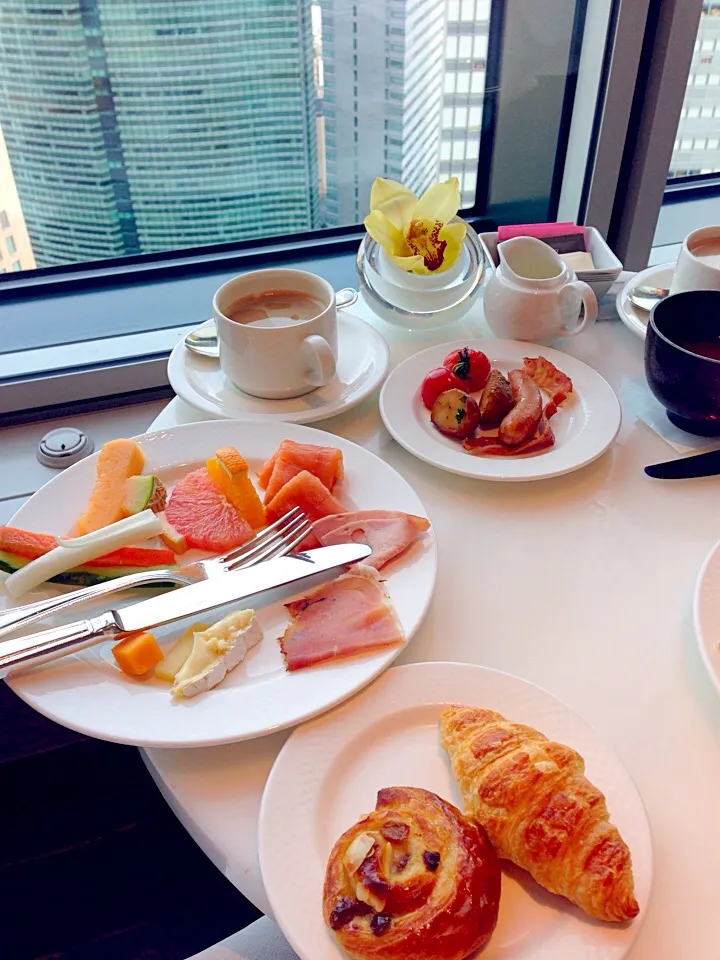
(88, 693)
(635, 318)
(584, 427)
(329, 771)
(361, 368)
(706, 614)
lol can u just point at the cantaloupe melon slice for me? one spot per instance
(137, 653)
(118, 460)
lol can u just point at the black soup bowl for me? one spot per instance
(682, 359)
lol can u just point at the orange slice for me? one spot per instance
(229, 470)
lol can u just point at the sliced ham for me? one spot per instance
(351, 614)
(388, 532)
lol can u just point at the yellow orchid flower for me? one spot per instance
(416, 232)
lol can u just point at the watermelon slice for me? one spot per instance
(204, 516)
(18, 547)
(28, 545)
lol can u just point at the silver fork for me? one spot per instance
(274, 541)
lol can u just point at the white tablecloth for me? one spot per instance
(607, 561)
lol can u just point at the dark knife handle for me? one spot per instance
(684, 468)
(35, 648)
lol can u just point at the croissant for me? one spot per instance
(413, 880)
(539, 810)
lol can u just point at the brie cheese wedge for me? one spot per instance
(215, 652)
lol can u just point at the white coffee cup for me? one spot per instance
(280, 361)
(698, 266)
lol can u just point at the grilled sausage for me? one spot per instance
(521, 423)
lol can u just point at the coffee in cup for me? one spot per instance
(698, 266)
(277, 331)
(275, 308)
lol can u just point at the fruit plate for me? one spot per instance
(584, 426)
(329, 771)
(87, 692)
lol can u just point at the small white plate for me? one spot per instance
(88, 693)
(706, 614)
(329, 771)
(585, 425)
(635, 318)
(361, 367)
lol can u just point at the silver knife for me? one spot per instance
(272, 575)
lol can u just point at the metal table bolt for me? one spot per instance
(61, 448)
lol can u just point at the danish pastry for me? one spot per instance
(413, 880)
(539, 810)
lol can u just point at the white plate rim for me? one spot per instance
(187, 392)
(708, 646)
(375, 663)
(628, 317)
(501, 469)
(273, 786)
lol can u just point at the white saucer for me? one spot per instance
(362, 365)
(635, 318)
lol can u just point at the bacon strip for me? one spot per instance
(489, 446)
(547, 376)
(349, 615)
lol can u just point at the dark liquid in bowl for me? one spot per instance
(704, 348)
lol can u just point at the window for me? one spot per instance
(16, 265)
(4, 220)
(146, 150)
(10, 245)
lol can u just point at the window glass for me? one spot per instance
(701, 104)
(139, 128)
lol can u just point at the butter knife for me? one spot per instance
(269, 577)
(697, 465)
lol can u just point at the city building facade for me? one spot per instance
(15, 250)
(136, 127)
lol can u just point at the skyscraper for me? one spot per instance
(464, 88)
(138, 127)
(697, 147)
(15, 250)
(383, 76)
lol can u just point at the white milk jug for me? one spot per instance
(534, 295)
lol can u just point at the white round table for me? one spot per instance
(601, 617)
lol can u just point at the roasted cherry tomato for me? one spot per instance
(436, 382)
(470, 366)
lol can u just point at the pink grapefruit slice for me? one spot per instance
(204, 516)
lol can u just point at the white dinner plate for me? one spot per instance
(87, 692)
(635, 318)
(328, 773)
(584, 426)
(361, 367)
(706, 614)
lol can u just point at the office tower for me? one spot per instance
(139, 127)
(464, 88)
(697, 148)
(383, 73)
(15, 250)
